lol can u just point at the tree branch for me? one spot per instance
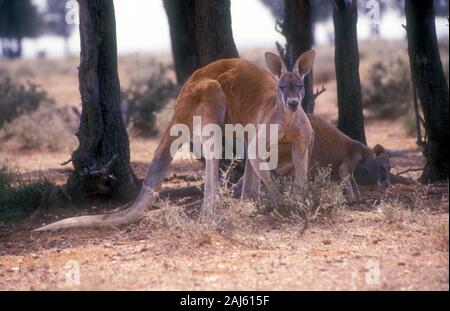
(319, 92)
(410, 170)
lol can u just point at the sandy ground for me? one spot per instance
(359, 249)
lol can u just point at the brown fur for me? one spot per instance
(335, 149)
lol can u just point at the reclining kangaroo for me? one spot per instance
(343, 154)
(227, 92)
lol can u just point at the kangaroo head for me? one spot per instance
(291, 87)
(378, 167)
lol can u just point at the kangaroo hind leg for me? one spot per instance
(346, 174)
(211, 109)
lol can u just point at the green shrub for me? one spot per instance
(387, 92)
(18, 197)
(146, 98)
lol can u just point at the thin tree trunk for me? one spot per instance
(298, 29)
(102, 161)
(18, 53)
(201, 33)
(351, 119)
(432, 88)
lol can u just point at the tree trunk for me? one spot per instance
(18, 53)
(201, 33)
(102, 161)
(214, 34)
(432, 88)
(181, 17)
(297, 28)
(351, 119)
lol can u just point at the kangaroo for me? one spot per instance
(343, 154)
(230, 91)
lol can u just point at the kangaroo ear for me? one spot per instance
(379, 150)
(305, 63)
(275, 64)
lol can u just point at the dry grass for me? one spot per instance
(440, 235)
(295, 206)
(44, 129)
(399, 212)
(306, 204)
(183, 225)
(27, 69)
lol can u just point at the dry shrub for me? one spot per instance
(296, 204)
(396, 212)
(387, 92)
(145, 98)
(181, 227)
(43, 129)
(29, 119)
(304, 204)
(18, 100)
(184, 226)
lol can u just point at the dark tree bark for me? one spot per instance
(201, 33)
(298, 29)
(432, 88)
(102, 161)
(214, 34)
(351, 119)
(181, 17)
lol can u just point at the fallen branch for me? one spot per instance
(410, 170)
(182, 192)
(395, 179)
(67, 162)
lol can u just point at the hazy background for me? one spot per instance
(253, 26)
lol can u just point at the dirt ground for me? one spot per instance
(359, 249)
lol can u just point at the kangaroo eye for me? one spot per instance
(282, 86)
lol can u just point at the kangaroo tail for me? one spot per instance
(155, 176)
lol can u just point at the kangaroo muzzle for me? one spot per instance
(293, 103)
